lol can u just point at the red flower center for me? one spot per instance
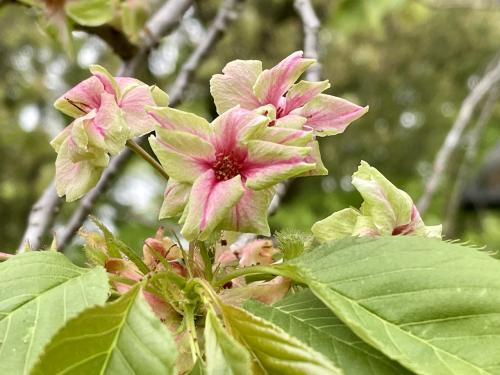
(226, 166)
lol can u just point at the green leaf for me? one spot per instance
(306, 318)
(224, 355)
(90, 12)
(432, 306)
(122, 337)
(276, 351)
(39, 292)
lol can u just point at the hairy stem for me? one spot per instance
(145, 155)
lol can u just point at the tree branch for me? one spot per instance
(44, 210)
(470, 155)
(225, 14)
(452, 139)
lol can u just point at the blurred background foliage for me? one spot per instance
(413, 62)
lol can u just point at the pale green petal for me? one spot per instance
(174, 119)
(184, 156)
(387, 206)
(74, 179)
(175, 199)
(106, 79)
(235, 85)
(338, 225)
(160, 97)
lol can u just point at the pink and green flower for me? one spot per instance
(293, 108)
(386, 210)
(108, 111)
(221, 174)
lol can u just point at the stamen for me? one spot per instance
(226, 167)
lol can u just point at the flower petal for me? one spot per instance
(273, 83)
(315, 157)
(184, 156)
(74, 179)
(338, 225)
(133, 104)
(302, 92)
(174, 119)
(234, 127)
(269, 163)
(329, 115)
(388, 206)
(108, 81)
(175, 199)
(209, 203)
(108, 130)
(235, 85)
(249, 215)
(82, 98)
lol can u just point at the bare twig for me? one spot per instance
(43, 212)
(462, 4)
(225, 14)
(452, 140)
(310, 26)
(470, 155)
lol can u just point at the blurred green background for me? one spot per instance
(412, 62)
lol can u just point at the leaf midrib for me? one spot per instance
(313, 284)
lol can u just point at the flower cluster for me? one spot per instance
(107, 111)
(223, 173)
(386, 210)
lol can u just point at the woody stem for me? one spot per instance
(147, 157)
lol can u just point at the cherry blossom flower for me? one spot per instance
(293, 108)
(108, 111)
(386, 210)
(222, 173)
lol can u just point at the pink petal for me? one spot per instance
(235, 85)
(82, 98)
(133, 105)
(257, 252)
(273, 83)
(302, 92)
(234, 127)
(209, 203)
(329, 115)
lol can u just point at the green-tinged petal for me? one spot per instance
(90, 12)
(388, 206)
(329, 115)
(365, 227)
(82, 98)
(209, 203)
(291, 122)
(270, 163)
(107, 80)
(302, 92)
(315, 157)
(338, 225)
(108, 130)
(160, 97)
(74, 179)
(235, 127)
(174, 119)
(235, 85)
(133, 104)
(175, 199)
(60, 138)
(184, 156)
(249, 215)
(273, 83)
(433, 231)
(284, 136)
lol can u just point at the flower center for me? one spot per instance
(226, 166)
